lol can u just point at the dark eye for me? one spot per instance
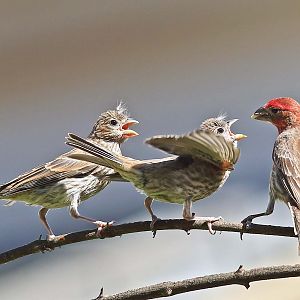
(113, 122)
(275, 110)
(220, 130)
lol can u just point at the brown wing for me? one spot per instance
(286, 157)
(61, 168)
(199, 143)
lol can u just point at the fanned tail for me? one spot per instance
(99, 155)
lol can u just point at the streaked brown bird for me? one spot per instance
(66, 181)
(203, 161)
(284, 113)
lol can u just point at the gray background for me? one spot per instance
(175, 63)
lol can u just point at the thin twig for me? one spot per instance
(240, 277)
(118, 230)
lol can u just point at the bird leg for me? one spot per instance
(100, 224)
(187, 215)
(51, 236)
(148, 202)
(248, 220)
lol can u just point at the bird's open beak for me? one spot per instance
(261, 114)
(239, 136)
(230, 122)
(126, 132)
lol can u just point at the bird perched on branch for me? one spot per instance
(66, 181)
(203, 161)
(284, 113)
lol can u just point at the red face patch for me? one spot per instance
(284, 103)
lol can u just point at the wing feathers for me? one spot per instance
(201, 144)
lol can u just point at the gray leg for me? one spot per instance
(51, 236)
(42, 214)
(248, 220)
(148, 202)
(188, 215)
(269, 210)
(75, 214)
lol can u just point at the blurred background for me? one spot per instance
(175, 63)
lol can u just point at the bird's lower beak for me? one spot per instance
(261, 114)
(239, 136)
(126, 132)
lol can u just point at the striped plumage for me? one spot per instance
(204, 160)
(66, 181)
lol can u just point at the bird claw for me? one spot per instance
(55, 238)
(247, 223)
(101, 226)
(152, 225)
(208, 221)
(209, 224)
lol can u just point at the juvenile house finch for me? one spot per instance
(284, 113)
(66, 181)
(204, 160)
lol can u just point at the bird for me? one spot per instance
(284, 185)
(200, 165)
(64, 181)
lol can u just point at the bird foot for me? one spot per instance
(102, 225)
(55, 238)
(208, 221)
(247, 222)
(152, 224)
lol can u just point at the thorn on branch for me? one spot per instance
(239, 270)
(188, 231)
(101, 296)
(154, 233)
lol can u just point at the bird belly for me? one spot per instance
(61, 193)
(196, 181)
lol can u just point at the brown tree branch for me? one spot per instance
(240, 277)
(118, 230)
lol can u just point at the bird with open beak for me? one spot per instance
(204, 159)
(284, 114)
(65, 181)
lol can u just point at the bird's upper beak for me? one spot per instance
(239, 136)
(230, 122)
(261, 114)
(127, 133)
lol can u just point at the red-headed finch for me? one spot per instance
(66, 181)
(203, 161)
(284, 113)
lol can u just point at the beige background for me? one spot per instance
(175, 63)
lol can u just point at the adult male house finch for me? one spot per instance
(202, 165)
(66, 181)
(284, 113)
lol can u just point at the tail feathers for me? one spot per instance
(9, 203)
(100, 155)
(296, 217)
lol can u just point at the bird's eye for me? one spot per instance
(113, 122)
(220, 130)
(275, 110)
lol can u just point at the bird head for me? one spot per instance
(282, 112)
(220, 126)
(113, 126)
